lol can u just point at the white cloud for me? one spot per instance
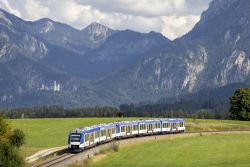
(35, 9)
(173, 18)
(175, 26)
(5, 5)
(147, 8)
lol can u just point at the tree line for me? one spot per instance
(60, 112)
(236, 107)
(187, 109)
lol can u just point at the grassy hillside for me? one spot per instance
(46, 133)
(216, 150)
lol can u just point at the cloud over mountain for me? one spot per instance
(173, 18)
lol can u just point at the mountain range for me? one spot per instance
(45, 62)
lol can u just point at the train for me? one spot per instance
(85, 137)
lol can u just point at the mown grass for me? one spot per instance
(47, 133)
(214, 150)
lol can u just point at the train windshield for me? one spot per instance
(75, 137)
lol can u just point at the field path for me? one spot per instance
(92, 152)
(43, 153)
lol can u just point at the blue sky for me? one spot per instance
(172, 18)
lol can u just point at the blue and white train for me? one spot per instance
(82, 138)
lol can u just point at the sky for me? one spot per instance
(173, 18)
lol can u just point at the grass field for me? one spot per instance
(215, 150)
(46, 133)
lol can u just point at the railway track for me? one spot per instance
(56, 160)
(67, 156)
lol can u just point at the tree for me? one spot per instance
(4, 128)
(17, 138)
(9, 156)
(240, 104)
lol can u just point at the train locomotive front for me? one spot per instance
(75, 140)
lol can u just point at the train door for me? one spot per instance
(150, 127)
(86, 139)
(103, 135)
(128, 130)
(123, 130)
(135, 129)
(113, 132)
(109, 133)
(97, 136)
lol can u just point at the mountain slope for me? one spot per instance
(215, 53)
(34, 55)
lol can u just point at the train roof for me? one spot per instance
(172, 120)
(90, 129)
(108, 125)
(127, 122)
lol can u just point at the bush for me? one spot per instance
(115, 146)
(9, 157)
(17, 138)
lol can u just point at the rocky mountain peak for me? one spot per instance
(45, 25)
(97, 32)
(221, 17)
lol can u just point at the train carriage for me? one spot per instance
(85, 137)
(90, 136)
(127, 128)
(172, 125)
(150, 126)
(107, 131)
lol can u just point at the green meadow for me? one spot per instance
(213, 150)
(53, 132)
(47, 133)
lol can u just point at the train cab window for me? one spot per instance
(75, 137)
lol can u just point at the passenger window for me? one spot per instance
(86, 137)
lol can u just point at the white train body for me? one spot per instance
(85, 137)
